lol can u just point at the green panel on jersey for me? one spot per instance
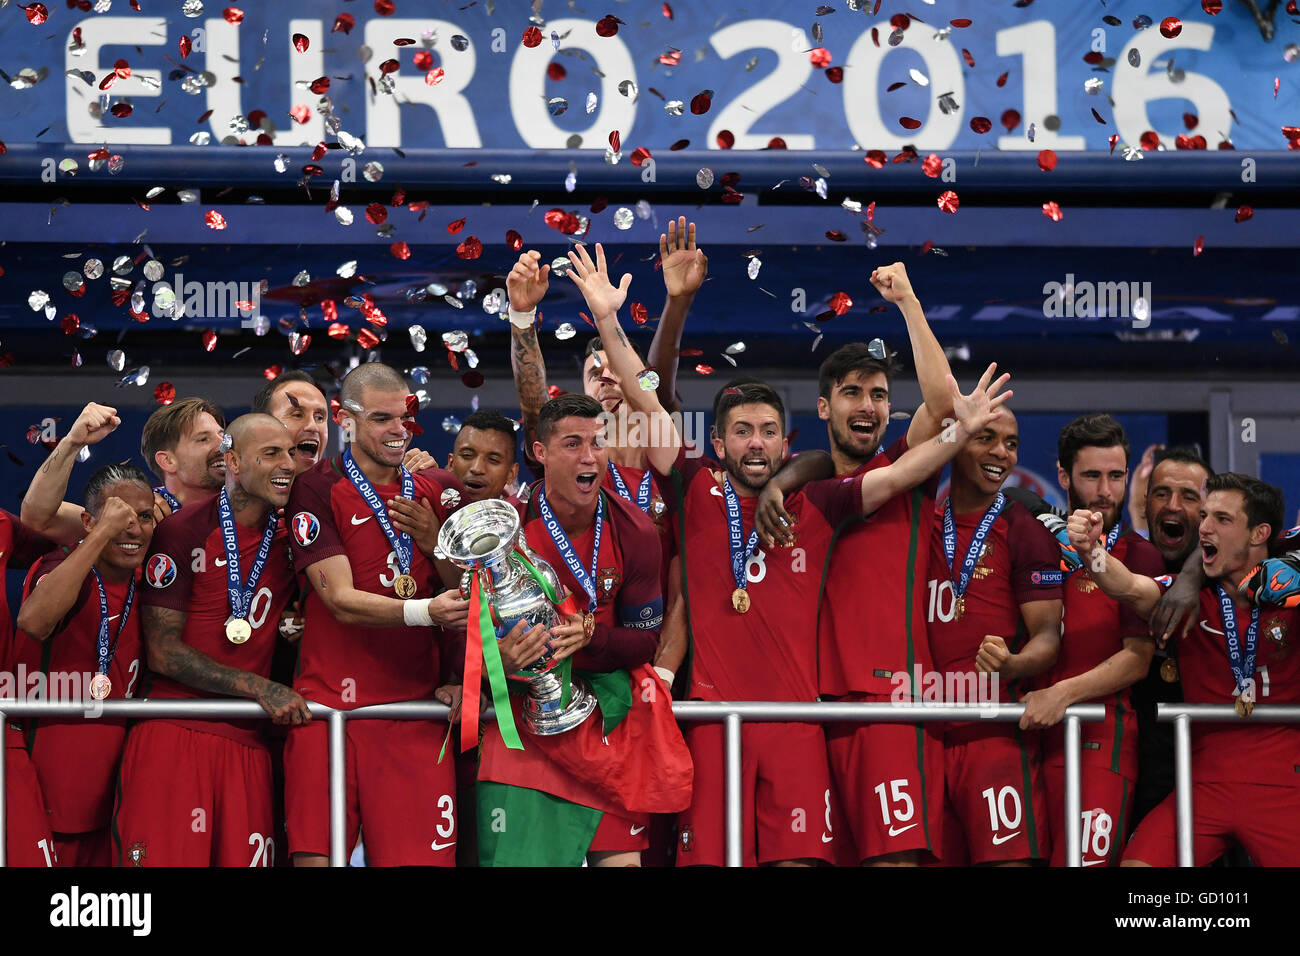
(522, 827)
(1119, 734)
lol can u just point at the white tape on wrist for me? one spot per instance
(666, 674)
(415, 613)
(522, 320)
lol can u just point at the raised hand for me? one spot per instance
(94, 424)
(416, 460)
(592, 279)
(528, 281)
(892, 283)
(975, 411)
(1085, 528)
(684, 266)
(114, 517)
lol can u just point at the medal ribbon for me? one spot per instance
(1242, 670)
(241, 592)
(642, 490)
(561, 541)
(106, 651)
(401, 543)
(735, 533)
(976, 541)
(167, 496)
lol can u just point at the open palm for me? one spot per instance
(592, 279)
(976, 410)
(685, 267)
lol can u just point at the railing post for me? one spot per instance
(4, 818)
(1073, 812)
(338, 789)
(1183, 787)
(735, 843)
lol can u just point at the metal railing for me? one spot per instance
(1181, 716)
(731, 714)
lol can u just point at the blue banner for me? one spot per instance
(482, 75)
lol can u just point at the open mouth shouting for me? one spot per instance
(863, 428)
(1171, 530)
(587, 480)
(308, 448)
(1209, 554)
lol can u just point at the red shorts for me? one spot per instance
(398, 795)
(619, 834)
(1259, 816)
(190, 798)
(28, 841)
(1106, 800)
(889, 779)
(85, 849)
(995, 807)
(785, 794)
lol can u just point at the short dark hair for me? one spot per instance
(1185, 454)
(163, 430)
(262, 400)
(490, 420)
(376, 375)
(1089, 431)
(571, 404)
(107, 476)
(1262, 502)
(744, 391)
(854, 357)
(594, 344)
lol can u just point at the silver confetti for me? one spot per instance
(502, 178)
(648, 380)
(281, 163)
(1134, 58)
(628, 88)
(373, 171)
(344, 215)
(455, 341)
(117, 360)
(566, 331)
(303, 278)
(418, 337)
(72, 281)
(560, 266)
(918, 77)
(1092, 85)
(38, 300)
(623, 218)
(570, 181)
(557, 105)
(754, 265)
(591, 103)
(454, 302)
(675, 107)
(820, 186)
(451, 425)
(192, 8)
(704, 178)
(347, 270)
(735, 348)
(420, 374)
(93, 269)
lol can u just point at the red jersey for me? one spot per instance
(769, 653)
(1020, 562)
(1242, 751)
(186, 571)
(20, 547)
(343, 665)
(871, 625)
(658, 511)
(1094, 628)
(76, 760)
(629, 602)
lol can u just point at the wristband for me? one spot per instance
(415, 613)
(666, 674)
(521, 320)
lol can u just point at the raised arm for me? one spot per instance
(527, 284)
(684, 270)
(1115, 580)
(932, 368)
(332, 579)
(604, 299)
(44, 509)
(974, 412)
(170, 656)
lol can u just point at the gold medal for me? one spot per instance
(959, 608)
(100, 686)
(238, 630)
(1169, 670)
(405, 586)
(740, 600)
(1244, 707)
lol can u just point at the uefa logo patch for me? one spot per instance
(160, 571)
(305, 528)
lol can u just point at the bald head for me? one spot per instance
(252, 428)
(373, 375)
(259, 461)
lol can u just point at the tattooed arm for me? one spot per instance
(172, 657)
(44, 509)
(527, 284)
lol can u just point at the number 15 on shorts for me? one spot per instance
(897, 808)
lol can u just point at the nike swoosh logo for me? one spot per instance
(893, 832)
(715, 490)
(998, 841)
(636, 830)
(113, 618)
(1093, 862)
(827, 838)
(441, 846)
(219, 562)
(1206, 625)
(356, 520)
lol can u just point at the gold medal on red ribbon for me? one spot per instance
(1169, 670)
(238, 630)
(100, 686)
(405, 586)
(959, 609)
(740, 600)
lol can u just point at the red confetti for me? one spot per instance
(108, 81)
(367, 339)
(555, 71)
(875, 158)
(384, 8)
(343, 23)
(966, 55)
(668, 11)
(640, 314)
(680, 144)
(820, 57)
(337, 330)
(214, 219)
(320, 85)
(925, 248)
(704, 369)
(121, 110)
(948, 201)
(1190, 120)
(615, 141)
(400, 250)
(700, 104)
(1114, 139)
(389, 66)
(1011, 119)
(871, 210)
(319, 152)
(981, 124)
(165, 393)
(1243, 213)
(472, 379)
(726, 139)
(376, 214)
(301, 42)
(932, 166)
(607, 25)
(434, 76)
(272, 372)
(1097, 116)
(1093, 58)
(1277, 84)
(731, 197)
(232, 15)
(900, 21)
(1292, 8)
(1052, 211)
(300, 113)
(455, 227)
(554, 391)
(1214, 7)
(514, 240)
(1198, 246)
(961, 23)
(1047, 160)
(471, 248)
(1170, 27)
(1292, 134)
(532, 37)
(671, 58)
(185, 45)
(1150, 139)
(1002, 80)
(834, 235)
(639, 155)
(908, 122)
(70, 323)
(209, 339)
(36, 13)
(329, 310)
(841, 303)
(311, 169)
(835, 74)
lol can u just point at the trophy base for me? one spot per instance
(544, 717)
